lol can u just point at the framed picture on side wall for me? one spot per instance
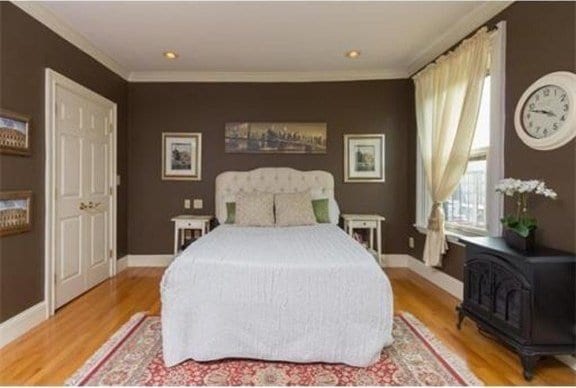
(14, 133)
(181, 156)
(364, 158)
(15, 212)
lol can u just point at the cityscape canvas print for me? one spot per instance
(15, 209)
(276, 138)
(14, 136)
(181, 156)
(364, 158)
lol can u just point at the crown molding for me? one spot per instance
(292, 76)
(46, 17)
(457, 32)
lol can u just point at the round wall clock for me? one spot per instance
(545, 116)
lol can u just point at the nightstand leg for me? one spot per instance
(371, 232)
(379, 242)
(176, 240)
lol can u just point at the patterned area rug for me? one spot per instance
(133, 356)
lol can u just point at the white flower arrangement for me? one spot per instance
(511, 186)
(521, 223)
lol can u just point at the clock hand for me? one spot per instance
(546, 112)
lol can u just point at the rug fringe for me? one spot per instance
(108, 346)
(456, 363)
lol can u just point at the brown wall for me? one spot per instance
(541, 38)
(27, 47)
(347, 107)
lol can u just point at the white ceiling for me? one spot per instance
(301, 39)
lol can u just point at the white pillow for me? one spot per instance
(294, 209)
(255, 209)
(332, 205)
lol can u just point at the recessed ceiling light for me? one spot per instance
(352, 54)
(170, 55)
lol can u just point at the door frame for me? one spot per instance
(52, 80)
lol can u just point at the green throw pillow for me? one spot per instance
(230, 212)
(321, 210)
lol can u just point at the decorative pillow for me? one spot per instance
(230, 212)
(333, 209)
(255, 209)
(321, 210)
(294, 209)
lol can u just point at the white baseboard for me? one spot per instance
(394, 261)
(568, 360)
(149, 260)
(21, 323)
(122, 264)
(446, 282)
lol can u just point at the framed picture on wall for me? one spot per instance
(275, 138)
(15, 212)
(14, 133)
(364, 158)
(182, 156)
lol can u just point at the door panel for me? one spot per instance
(98, 265)
(69, 266)
(98, 231)
(70, 254)
(99, 162)
(82, 193)
(70, 165)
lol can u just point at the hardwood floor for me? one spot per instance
(52, 351)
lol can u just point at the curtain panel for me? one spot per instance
(448, 94)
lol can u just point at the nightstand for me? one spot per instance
(372, 222)
(189, 222)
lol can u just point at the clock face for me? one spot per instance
(545, 111)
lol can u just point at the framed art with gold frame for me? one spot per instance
(364, 158)
(182, 156)
(14, 133)
(15, 212)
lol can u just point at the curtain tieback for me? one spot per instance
(436, 219)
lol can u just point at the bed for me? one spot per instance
(298, 294)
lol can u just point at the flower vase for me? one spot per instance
(520, 243)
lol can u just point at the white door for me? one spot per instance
(82, 160)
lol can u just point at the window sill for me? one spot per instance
(452, 236)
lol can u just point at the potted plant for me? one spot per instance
(519, 228)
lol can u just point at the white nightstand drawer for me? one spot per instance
(193, 224)
(362, 224)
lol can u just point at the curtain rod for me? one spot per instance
(491, 32)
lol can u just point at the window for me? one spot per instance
(466, 208)
(474, 207)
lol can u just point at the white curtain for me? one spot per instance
(448, 94)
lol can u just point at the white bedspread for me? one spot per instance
(299, 294)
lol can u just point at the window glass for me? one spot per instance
(466, 208)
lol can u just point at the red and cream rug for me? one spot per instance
(133, 356)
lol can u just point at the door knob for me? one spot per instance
(89, 205)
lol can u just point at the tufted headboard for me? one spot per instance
(271, 180)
